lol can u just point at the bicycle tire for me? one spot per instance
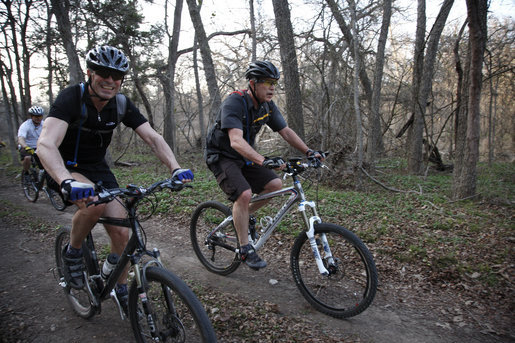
(79, 299)
(177, 314)
(56, 199)
(351, 284)
(215, 258)
(29, 184)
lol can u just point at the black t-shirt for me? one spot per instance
(232, 114)
(96, 138)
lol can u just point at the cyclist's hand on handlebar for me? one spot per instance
(274, 163)
(183, 175)
(73, 190)
(318, 154)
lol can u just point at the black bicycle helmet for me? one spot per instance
(36, 111)
(107, 57)
(262, 70)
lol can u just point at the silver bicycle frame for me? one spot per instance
(297, 195)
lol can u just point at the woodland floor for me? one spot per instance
(244, 306)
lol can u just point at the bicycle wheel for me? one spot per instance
(351, 284)
(80, 300)
(29, 184)
(55, 198)
(217, 252)
(176, 313)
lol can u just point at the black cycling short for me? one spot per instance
(234, 176)
(94, 172)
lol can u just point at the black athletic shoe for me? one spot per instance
(73, 267)
(251, 258)
(123, 299)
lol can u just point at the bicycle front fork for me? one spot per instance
(312, 240)
(139, 275)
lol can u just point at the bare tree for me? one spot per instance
(253, 29)
(170, 132)
(207, 60)
(10, 128)
(464, 184)
(289, 66)
(61, 9)
(424, 59)
(375, 137)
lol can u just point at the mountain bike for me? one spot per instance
(33, 181)
(331, 266)
(161, 307)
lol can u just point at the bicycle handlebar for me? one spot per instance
(132, 191)
(295, 166)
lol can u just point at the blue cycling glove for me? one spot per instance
(73, 190)
(182, 174)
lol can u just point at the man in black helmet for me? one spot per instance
(73, 144)
(239, 169)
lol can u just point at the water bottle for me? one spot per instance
(109, 264)
(41, 174)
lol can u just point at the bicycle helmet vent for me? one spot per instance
(36, 111)
(262, 70)
(107, 57)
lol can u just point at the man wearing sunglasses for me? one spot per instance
(72, 148)
(239, 169)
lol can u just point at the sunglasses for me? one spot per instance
(268, 83)
(105, 74)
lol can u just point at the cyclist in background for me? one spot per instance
(239, 169)
(28, 135)
(74, 153)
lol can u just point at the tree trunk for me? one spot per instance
(200, 100)
(61, 10)
(460, 125)
(205, 52)
(375, 145)
(253, 30)
(10, 127)
(290, 66)
(416, 130)
(359, 130)
(347, 34)
(50, 77)
(169, 131)
(465, 184)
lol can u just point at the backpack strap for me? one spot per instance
(121, 106)
(246, 119)
(82, 119)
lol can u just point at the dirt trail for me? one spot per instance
(33, 308)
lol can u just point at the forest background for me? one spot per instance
(362, 79)
(416, 98)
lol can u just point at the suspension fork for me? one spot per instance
(139, 275)
(310, 233)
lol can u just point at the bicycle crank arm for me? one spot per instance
(117, 302)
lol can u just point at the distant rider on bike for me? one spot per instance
(239, 169)
(28, 135)
(73, 145)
